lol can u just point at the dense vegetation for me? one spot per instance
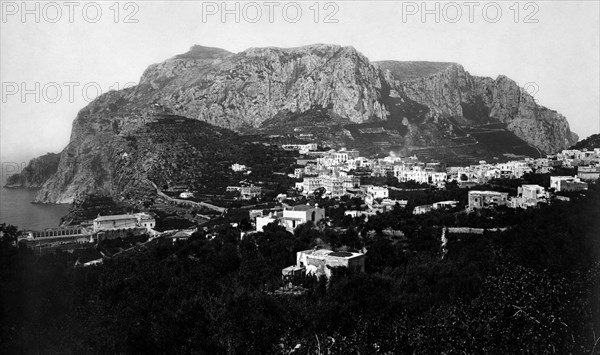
(199, 156)
(534, 289)
(589, 143)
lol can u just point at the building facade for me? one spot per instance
(485, 199)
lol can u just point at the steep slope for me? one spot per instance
(166, 150)
(240, 91)
(408, 71)
(451, 91)
(36, 173)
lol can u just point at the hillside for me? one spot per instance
(36, 173)
(589, 143)
(167, 150)
(408, 71)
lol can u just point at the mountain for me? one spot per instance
(241, 91)
(589, 143)
(328, 93)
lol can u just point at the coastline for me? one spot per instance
(17, 208)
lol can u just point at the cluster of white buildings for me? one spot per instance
(483, 172)
(528, 196)
(575, 157)
(420, 174)
(333, 185)
(336, 171)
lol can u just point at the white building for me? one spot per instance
(434, 206)
(485, 199)
(302, 148)
(334, 186)
(124, 221)
(567, 183)
(262, 221)
(310, 184)
(238, 167)
(588, 172)
(535, 192)
(529, 196)
(301, 214)
(378, 191)
(250, 192)
(344, 155)
(292, 217)
(356, 213)
(322, 261)
(418, 174)
(186, 194)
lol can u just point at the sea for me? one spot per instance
(16, 209)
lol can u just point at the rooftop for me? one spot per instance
(302, 207)
(487, 192)
(326, 253)
(115, 217)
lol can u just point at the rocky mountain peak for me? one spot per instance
(202, 52)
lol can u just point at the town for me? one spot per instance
(323, 183)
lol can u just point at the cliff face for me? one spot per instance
(414, 103)
(452, 91)
(241, 91)
(36, 173)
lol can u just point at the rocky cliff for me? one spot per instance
(36, 173)
(448, 90)
(241, 91)
(334, 88)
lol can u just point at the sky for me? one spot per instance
(55, 57)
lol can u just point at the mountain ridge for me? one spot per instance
(430, 106)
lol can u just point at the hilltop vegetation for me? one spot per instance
(589, 143)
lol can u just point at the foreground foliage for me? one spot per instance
(531, 289)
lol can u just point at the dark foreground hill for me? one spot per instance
(532, 289)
